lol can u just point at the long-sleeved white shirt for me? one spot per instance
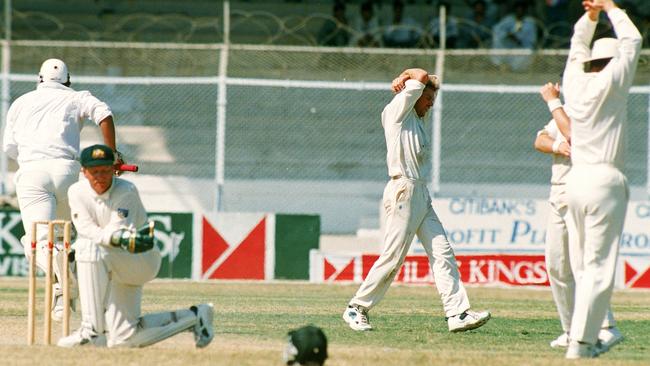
(407, 143)
(97, 216)
(597, 102)
(46, 123)
(561, 164)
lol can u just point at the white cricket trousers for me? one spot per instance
(409, 212)
(558, 264)
(42, 191)
(597, 202)
(110, 291)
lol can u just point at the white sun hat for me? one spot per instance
(603, 48)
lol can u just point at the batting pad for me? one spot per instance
(156, 327)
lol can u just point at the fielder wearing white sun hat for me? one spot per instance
(603, 48)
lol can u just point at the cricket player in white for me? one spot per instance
(114, 261)
(408, 209)
(597, 191)
(550, 141)
(42, 133)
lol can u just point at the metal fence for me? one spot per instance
(265, 113)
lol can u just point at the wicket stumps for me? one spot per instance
(65, 282)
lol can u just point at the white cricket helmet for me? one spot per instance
(54, 70)
(603, 48)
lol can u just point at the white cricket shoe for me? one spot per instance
(609, 337)
(82, 337)
(357, 318)
(468, 320)
(203, 330)
(583, 350)
(561, 342)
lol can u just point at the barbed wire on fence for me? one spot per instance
(256, 27)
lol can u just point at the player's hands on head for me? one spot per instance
(399, 83)
(594, 7)
(550, 91)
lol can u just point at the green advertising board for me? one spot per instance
(173, 237)
(295, 236)
(12, 254)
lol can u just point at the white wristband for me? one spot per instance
(556, 145)
(554, 104)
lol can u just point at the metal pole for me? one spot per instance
(647, 172)
(6, 69)
(437, 111)
(221, 111)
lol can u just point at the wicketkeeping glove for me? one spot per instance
(132, 240)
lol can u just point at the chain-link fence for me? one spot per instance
(314, 114)
(311, 114)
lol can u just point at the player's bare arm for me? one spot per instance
(108, 131)
(563, 122)
(416, 74)
(551, 94)
(107, 127)
(548, 145)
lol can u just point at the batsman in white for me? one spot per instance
(408, 209)
(42, 133)
(596, 85)
(550, 141)
(114, 261)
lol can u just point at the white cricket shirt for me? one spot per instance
(46, 123)
(97, 216)
(597, 102)
(407, 142)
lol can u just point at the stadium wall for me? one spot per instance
(201, 246)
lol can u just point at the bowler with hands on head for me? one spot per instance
(409, 212)
(115, 260)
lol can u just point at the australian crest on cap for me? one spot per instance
(98, 154)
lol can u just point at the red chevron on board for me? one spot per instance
(346, 274)
(630, 272)
(213, 245)
(637, 278)
(328, 269)
(246, 261)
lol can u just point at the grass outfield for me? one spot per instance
(251, 321)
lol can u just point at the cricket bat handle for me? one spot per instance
(127, 167)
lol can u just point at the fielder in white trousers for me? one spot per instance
(597, 201)
(408, 209)
(408, 213)
(596, 85)
(42, 191)
(558, 265)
